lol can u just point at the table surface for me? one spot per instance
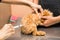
(53, 33)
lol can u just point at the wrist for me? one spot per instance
(58, 18)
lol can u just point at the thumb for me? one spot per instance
(40, 8)
(35, 10)
(44, 17)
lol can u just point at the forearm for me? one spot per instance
(35, 1)
(25, 1)
(58, 18)
(22, 1)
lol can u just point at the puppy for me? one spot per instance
(31, 21)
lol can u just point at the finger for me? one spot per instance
(41, 24)
(44, 17)
(11, 27)
(8, 35)
(35, 10)
(8, 27)
(10, 30)
(40, 8)
(47, 23)
(5, 27)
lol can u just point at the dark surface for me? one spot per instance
(52, 5)
(53, 33)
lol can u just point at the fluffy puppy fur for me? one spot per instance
(31, 21)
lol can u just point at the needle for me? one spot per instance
(17, 26)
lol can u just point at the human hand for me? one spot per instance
(50, 20)
(6, 31)
(35, 7)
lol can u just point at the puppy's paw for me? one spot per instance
(39, 33)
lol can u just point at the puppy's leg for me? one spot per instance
(38, 33)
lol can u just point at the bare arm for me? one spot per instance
(33, 5)
(35, 1)
(58, 18)
(20, 1)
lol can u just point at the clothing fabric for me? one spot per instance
(52, 5)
